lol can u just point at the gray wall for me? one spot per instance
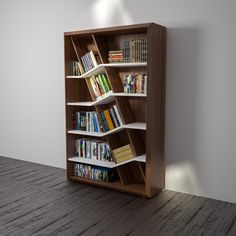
(201, 69)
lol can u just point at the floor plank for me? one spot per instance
(38, 200)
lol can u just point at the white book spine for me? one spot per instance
(93, 59)
(118, 114)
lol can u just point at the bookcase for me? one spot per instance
(115, 107)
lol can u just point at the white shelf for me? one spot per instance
(101, 67)
(106, 164)
(136, 125)
(106, 98)
(96, 134)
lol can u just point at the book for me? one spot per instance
(117, 115)
(123, 148)
(123, 153)
(135, 83)
(106, 83)
(108, 119)
(102, 84)
(93, 149)
(93, 58)
(104, 121)
(94, 172)
(113, 116)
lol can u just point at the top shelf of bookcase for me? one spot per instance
(101, 67)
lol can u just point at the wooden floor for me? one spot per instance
(38, 200)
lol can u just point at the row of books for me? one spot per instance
(111, 118)
(135, 83)
(135, 50)
(77, 68)
(116, 56)
(94, 172)
(123, 153)
(90, 60)
(86, 121)
(100, 85)
(93, 149)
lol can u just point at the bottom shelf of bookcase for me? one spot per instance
(134, 188)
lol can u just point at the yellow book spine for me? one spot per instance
(108, 118)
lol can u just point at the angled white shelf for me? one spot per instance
(136, 125)
(106, 98)
(106, 164)
(101, 67)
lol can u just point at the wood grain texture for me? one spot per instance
(145, 180)
(155, 165)
(38, 200)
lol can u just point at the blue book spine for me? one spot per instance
(95, 122)
(78, 120)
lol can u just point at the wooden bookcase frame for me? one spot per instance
(143, 115)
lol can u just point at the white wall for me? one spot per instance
(201, 69)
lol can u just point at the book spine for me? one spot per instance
(105, 80)
(117, 114)
(104, 121)
(84, 64)
(99, 85)
(108, 119)
(94, 61)
(102, 84)
(113, 116)
(91, 80)
(78, 120)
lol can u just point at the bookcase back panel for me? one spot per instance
(70, 55)
(114, 80)
(82, 45)
(118, 139)
(71, 145)
(138, 107)
(77, 90)
(136, 141)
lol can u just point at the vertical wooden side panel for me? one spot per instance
(155, 165)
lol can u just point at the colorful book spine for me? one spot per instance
(108, 119)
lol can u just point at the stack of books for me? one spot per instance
(90, 60)
(77, 68)
(93, 149)
(135, 50)
(111, 118)
(86, 121)
(100, 85)
(135, 84)
(116, 56)
(94, 172)
(123, 153)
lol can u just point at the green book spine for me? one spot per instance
(102, 84)
(106, 83)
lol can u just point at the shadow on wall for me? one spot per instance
(183, 61)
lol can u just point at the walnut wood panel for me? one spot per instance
(102, 47)
(142, 167)
(127, 29)
(155, 165)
